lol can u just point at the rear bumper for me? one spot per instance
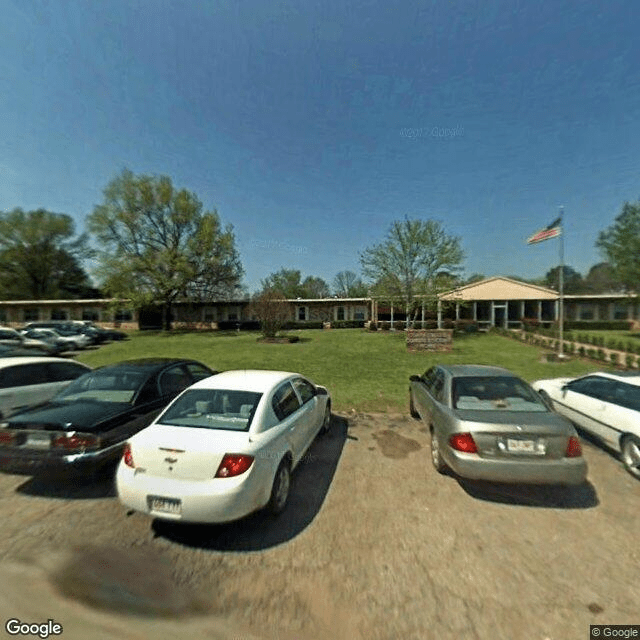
(35, 462)
(567, 471)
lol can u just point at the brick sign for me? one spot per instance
(429, 339)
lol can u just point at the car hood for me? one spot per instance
(81, 415)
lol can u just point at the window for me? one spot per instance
(285, 401)
(91, 314)
(586, 312)
(359, 313)
(123, 315)
(23, 375)
(593, 386)
(59, 314)
(3, 316)
(620, 311)
(301, 314)
(197, 371)
(305, 390)
(59, 371)
(31, 315)
(210, 314)
(173, 381)
(340, 315)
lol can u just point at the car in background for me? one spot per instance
(486, 423)
(57, 342)
(605, 405)
(29, 381)
(8, 351)
(224, 448)
(65, 328)
(12, 338)
(85, 426)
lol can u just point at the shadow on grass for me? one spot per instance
(582, 496)
(68, 486)
(310, 482)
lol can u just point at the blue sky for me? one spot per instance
(312, 126)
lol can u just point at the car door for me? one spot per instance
(286, 406)
(420, 388)
(311, 411)
(583, 401)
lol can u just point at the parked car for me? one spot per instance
(225, 448)
(64, 328)
(28, 381)
(488, 424)
(606, 405)
(57, 342)
(12, 338)
(85, 426)
(8, 351)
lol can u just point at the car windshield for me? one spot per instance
(493, 393)
(213, 409)
(110, 385)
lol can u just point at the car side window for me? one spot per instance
(285, 401)
(437, 389)
(174, 380)
(61, 371)
(24, 375)
(305, 389)
(149, 392)
(198, 371)
(626, 395)
(593, 387)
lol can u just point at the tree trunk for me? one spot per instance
(166, 312)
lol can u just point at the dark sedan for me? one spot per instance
(85, 426)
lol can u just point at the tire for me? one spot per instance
(436, 457)
(280, 489)
(326, 421)
(630, 447)
(412, 408)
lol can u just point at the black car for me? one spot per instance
(85, 426)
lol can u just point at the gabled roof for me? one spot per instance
(499, 288)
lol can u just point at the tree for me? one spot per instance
(347, 284)
(289, 283)
(40, 256)
(620, 245)
(159, 245)
(601, 279)
(571, 280)
(407, 262)
(272, 310)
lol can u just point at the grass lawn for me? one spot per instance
(362, 370)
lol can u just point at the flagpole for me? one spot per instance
(561, 287)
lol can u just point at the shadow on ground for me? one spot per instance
(310, 483)
(70, 486)
(583, 496)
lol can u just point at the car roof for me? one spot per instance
(628, 377)
(14, 360)
(463, 370)
(148, 364)
(257, 380)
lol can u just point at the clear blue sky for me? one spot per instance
(288, 118)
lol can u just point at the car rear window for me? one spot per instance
(226, 409)
(492, 393)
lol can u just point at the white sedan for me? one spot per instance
(606, 405)
(224, 448)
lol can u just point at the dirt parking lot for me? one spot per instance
(374, 545)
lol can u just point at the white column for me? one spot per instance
(391, 315)
(475, 311)
(439, 314)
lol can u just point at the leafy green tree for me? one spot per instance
(159, 245)
(601, 279)
(620, 246)
(410, 261)
(273, 311)
(347, 284)
(314, 287)
(289, 283)
(40, 256)
(572, 280)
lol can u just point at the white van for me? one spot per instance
(27, 381)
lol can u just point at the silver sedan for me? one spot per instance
(488, 424)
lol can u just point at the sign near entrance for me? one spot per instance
(429, 339)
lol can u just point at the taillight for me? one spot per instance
(75, 441)
(127, 456)
(574, 450)
(7, 437)
(463, 442)
(233, 464)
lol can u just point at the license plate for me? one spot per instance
(535, 447)
(165, 505)
(39, 440)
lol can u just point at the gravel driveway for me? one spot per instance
(374, 545)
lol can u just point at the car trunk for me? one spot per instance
(184, 453)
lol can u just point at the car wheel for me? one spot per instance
(280, 489)
(436, 457)
(326, 421)
(412, 407)
(631, 455)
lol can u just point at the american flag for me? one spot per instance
(551, 231)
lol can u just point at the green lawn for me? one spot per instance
(363, 371)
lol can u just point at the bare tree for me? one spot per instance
(273, 311)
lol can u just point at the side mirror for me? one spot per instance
(321, 391)
(415, 378)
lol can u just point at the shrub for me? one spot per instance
(631, 361)
(581, 351)
(347, 324)
(601, 354)
(613, 356)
